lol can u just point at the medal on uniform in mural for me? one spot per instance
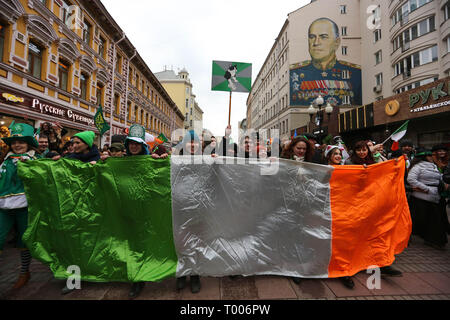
(324, 74)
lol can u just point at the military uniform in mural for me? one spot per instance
(339, 84)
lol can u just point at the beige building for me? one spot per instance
(394, 45)
(407, 48)
(179, 87)
(269, 105)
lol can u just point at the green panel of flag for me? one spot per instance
(80, 215)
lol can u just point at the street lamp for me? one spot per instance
(319, 102)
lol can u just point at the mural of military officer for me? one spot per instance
(339, 82)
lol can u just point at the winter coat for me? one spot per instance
(92, 155)
(426, 176)
(12, 192)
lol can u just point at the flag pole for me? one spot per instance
(229, 113)
(387, 139)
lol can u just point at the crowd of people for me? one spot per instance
(427, 176)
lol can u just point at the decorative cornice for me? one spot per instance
(40, 29)
(68, 50)
(11, 10)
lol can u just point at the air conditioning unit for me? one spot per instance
(378, 88)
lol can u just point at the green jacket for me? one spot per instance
(12, 192)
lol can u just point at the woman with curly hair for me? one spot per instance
(300, 149)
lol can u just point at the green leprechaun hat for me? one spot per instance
(22, 132)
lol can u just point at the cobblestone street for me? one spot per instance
(426, 276)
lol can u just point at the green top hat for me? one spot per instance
(21, 132)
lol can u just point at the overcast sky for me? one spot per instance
(191, 34)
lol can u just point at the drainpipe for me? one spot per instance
(112, 87)
(126, 90)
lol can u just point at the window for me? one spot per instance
(376, 35)
(118, 63)
(343, 9)
(101, 47)
(137, 81)
(2, 41)
(346, 100)
(344, 51)
(344, 31)
(87, 28)
(448, 44)
(99, 94)
(63, 74)
(84, 85)
(446, 10)
(34, 59)
(402, 13)
(379, 79)
(345, 74)
(415, 60)
(378, 57)
(116, 103)
(129, 110)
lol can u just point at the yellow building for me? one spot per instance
(61, 59)
(179, 87)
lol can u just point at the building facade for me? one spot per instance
(393, 46)
(288, 81)
(61, 59)
(180, 89)
(427, 108)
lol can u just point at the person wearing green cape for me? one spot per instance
(13, 202)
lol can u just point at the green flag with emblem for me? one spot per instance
(231, 76)
(100, 121)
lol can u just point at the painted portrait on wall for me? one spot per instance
(339, 82)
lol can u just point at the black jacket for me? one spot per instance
(93, 155)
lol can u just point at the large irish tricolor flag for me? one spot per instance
(139, 219)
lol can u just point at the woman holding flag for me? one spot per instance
(13, 202)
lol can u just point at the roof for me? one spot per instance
(166, 75)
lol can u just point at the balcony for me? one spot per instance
(406, 74)
(406, 46)
(404, 19)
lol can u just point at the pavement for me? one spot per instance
(426, 276)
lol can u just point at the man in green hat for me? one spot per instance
(13, 202)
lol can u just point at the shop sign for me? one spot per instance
(424, 96)
(431, 106)
(12, 98)
(61, 112)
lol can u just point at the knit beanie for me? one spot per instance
(87, 137)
